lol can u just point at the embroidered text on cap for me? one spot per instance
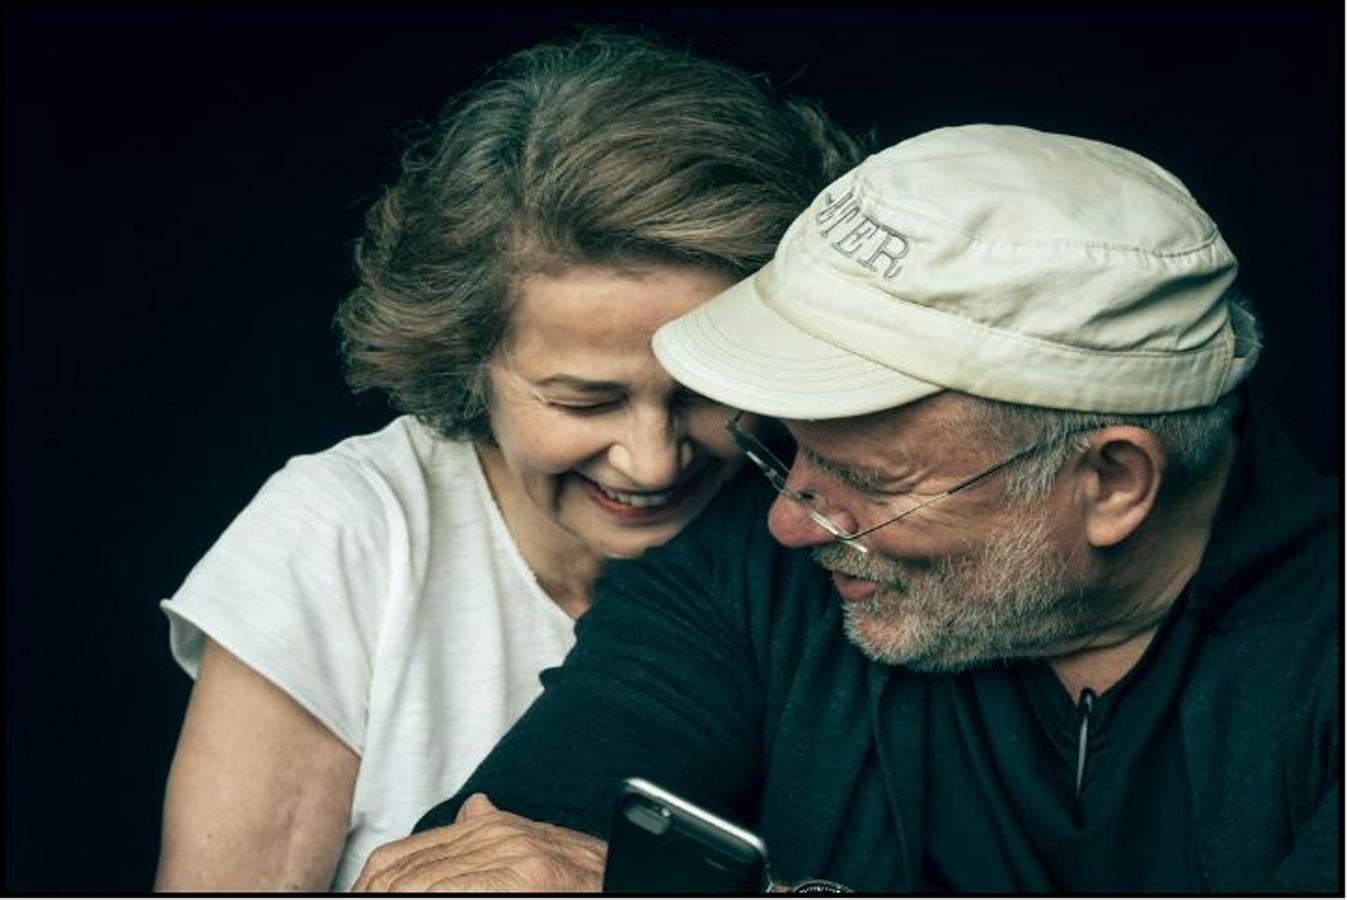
(876, 239)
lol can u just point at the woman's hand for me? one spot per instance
(487, 850)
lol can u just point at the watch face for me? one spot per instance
(819, 886)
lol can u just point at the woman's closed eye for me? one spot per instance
(680, 400)
(585, 407)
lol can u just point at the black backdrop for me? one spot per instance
(181, 189)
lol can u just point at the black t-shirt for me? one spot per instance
(1004, 758)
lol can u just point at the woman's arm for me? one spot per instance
(259, 794)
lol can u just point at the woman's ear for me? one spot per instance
(1123, 469)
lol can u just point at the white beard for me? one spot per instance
(1012, 599)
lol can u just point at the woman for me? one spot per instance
(378, 615)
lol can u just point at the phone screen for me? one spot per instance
(661, 843)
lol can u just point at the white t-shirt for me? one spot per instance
(377, 585)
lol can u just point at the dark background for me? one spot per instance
(181, 190)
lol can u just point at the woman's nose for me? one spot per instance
(653, 453)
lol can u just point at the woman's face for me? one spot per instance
(601, 440)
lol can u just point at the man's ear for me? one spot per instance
(1122, 470)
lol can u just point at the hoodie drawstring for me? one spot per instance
(1083, 711)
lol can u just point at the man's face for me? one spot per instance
(975, 578)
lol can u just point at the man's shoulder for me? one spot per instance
(728, 538)
(738, 511)
(725, 571)
(1275, 552)
(1271, 590)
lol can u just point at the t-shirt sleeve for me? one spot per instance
(662, 684)
(295, 586)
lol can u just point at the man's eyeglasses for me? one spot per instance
(777, 472)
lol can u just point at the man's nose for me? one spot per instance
(791, 524)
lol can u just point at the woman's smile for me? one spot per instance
(634, 506)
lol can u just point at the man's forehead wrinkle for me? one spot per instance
(844, 471)
(896, 449)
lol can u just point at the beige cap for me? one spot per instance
(996, 260)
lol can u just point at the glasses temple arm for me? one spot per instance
(972, 479)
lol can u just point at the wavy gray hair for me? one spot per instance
(607, 148)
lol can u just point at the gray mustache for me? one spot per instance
(837, 558)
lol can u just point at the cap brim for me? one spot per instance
(737, 351)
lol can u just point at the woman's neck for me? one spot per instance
(565, 567)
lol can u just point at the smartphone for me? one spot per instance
(660, 843)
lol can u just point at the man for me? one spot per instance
(1053, 607)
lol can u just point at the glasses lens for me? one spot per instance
(777, 472)
(773, 473)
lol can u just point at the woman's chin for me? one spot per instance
(628, 543)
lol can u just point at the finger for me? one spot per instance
(367, 872)
(474, 806)
(481, 869)
(532, 850)
(471, 844)
(491, 881)
(481, 844)
(398, 855)
(521, 855)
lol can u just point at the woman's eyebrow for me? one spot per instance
(576, 383)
